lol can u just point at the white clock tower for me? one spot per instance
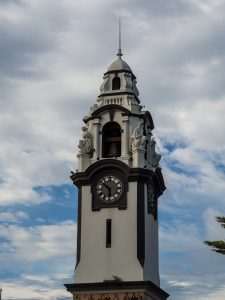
(119, 181)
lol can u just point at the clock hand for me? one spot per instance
(108, 188)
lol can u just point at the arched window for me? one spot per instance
(111, 140)
(116, 83)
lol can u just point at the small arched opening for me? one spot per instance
(111, 140)
(116, 83)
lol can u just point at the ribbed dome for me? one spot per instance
(119, 64)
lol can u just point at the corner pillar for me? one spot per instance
(96, 143)
(125, 140)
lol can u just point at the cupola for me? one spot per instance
(119, 80)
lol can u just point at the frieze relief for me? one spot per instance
(111, 296)
(138, 139)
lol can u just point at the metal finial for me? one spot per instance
(119, 50)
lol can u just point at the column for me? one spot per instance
(125, 142)
(96, 142)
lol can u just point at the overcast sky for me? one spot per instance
(53, 55)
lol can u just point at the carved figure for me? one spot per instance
(155, 157)
(85, 144)
(138, 139)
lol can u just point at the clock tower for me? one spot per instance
(119, 182)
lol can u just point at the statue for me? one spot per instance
(138, 139)
(85, 144)
(155, 157)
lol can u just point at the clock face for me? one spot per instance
(109, 188)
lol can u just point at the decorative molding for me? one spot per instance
(109, 107)
(120, 93)
(119, 71)
(133, 174)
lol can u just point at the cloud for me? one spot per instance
(47, 288)
(27, 248)
(197, 270)
(13, 218)
(180, 283)
(42, 242)
(218, 295)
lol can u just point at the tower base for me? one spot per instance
(113, 290)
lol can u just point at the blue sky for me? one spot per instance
(53, 55)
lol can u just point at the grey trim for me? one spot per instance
(125, 112)
(109, 107)
(140, 223)
(79, 225)
(120, 71)
(133, 174)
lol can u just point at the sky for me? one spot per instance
(53, 55)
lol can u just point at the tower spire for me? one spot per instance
(119, 49)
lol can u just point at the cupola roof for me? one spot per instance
(119, 64)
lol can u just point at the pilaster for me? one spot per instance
(125, 140)
(96, 142)
(83, 161)
(138, 158)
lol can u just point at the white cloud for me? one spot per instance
(43, 242)
(180, 283)
(13, 218)
(37, 290)
(215, 295)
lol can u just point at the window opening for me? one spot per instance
(116, 83)
(108, 233)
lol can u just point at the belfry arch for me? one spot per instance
(111, 140)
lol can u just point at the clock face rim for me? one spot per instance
(119, 184)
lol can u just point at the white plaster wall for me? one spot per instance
(97, 262)
(151, 266)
